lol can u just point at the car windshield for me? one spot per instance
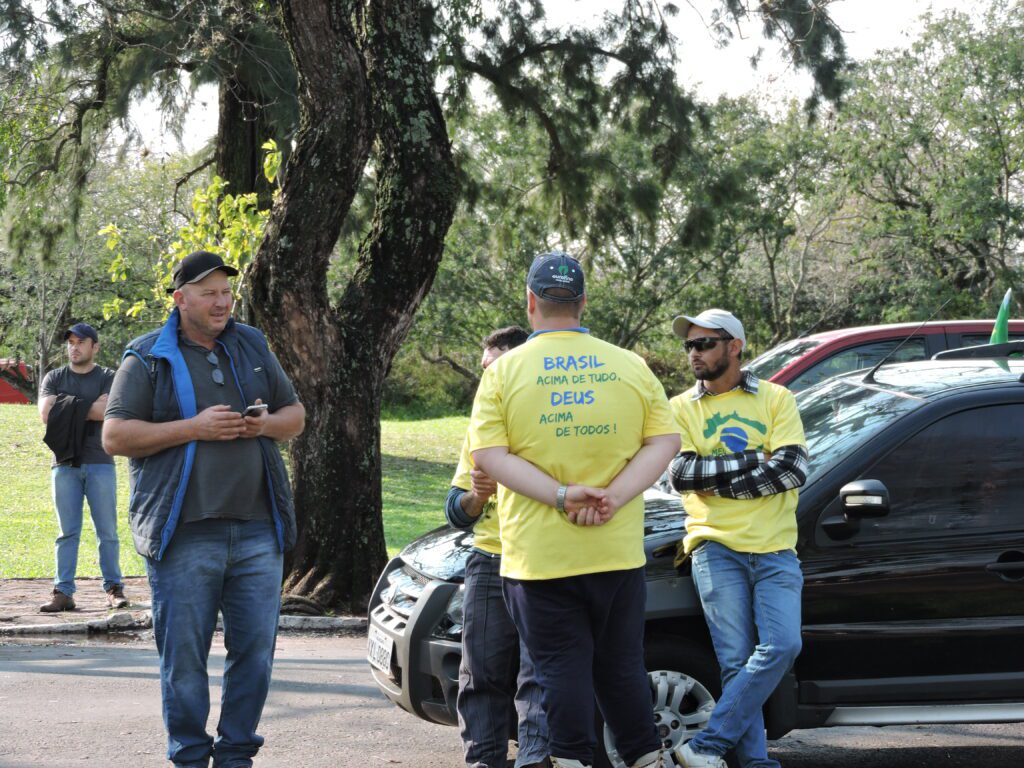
(841, 414)
(766, 365)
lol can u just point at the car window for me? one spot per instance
(767, 364)
(975, 339)
(840, 415)
(861, 356)
(961, 475)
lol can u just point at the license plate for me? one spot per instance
(379, 649)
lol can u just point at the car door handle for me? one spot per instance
(1010, 567)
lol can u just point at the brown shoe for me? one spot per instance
(60, 602)
(116, 598)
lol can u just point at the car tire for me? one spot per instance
(672, 663)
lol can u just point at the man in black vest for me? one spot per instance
(211, 509)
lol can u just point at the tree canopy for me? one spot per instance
(370, 124)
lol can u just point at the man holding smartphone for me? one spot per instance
(211, 506)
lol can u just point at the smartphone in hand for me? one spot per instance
(254, 410)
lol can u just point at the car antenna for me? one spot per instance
(870, 378)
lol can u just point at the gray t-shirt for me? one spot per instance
(87, 386)
(227, 479)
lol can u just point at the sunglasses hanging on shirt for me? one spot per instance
(216, 373)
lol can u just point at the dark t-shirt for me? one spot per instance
(87, 386)
(227, 479)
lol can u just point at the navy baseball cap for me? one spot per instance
(82, 331)
(196, 266)
(556, 270)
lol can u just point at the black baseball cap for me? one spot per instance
(82, 331)
(196, 266)
(556, 270)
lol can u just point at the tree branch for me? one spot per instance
(442, 359)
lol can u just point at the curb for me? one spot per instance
(323, 623)
(126, 621)
(118, 622)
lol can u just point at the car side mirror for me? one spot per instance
(859, 499)
(865, 498)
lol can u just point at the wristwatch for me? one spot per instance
(560, 497)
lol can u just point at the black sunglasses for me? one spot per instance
(216, 373)
(704, 343)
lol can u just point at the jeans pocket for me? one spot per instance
(698, 558)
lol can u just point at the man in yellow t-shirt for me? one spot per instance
(742, 458)
(488, 683)
(574, 429)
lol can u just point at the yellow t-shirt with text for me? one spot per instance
(579, 409)
(485, 529)
(733, 422)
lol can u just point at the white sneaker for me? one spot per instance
(650, 760)
(565, 762)
(690, 759)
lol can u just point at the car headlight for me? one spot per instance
(454, 610)
(450, 625)
(402, 592)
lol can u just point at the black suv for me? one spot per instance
(912, 542)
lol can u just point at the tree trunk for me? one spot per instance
(339, 357)
(244, 107)
(241, 131)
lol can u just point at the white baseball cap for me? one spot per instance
(718, 319)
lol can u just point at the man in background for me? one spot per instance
(72, 400)
(491, 650)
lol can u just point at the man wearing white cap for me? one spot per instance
(743, 456)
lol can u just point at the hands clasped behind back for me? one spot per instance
(585, 505)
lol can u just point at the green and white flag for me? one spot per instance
(1001, 330)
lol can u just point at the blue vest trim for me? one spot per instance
(166, 347)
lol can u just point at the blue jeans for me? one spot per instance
(488, 682)
(752, 607)
(72, 486)
(233, 567)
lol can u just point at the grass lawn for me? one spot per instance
(419, 458)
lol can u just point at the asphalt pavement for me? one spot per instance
(97, 702)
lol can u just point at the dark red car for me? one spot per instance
(8, 393)
(804, 361)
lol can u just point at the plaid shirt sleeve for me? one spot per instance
(744, 475)
(690, 472)
(784, 471)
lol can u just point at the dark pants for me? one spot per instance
(586, 637)
(488, 680)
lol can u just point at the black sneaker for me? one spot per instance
(116, 598)
(60, 602)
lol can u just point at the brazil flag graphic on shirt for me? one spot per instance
(736, 433)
